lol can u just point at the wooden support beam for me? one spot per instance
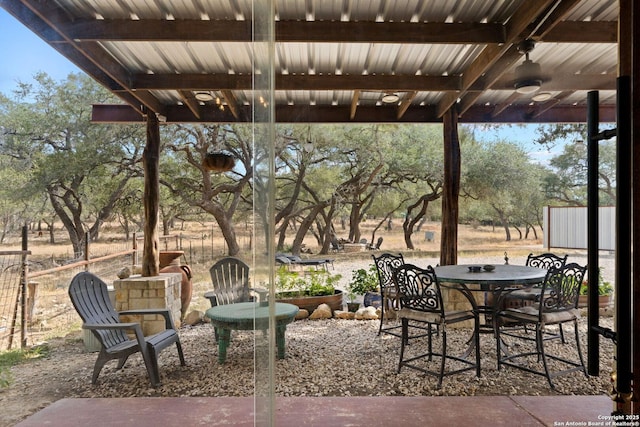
(451, 189)
(151, 198)
(354, 104)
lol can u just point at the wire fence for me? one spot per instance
(34, 287)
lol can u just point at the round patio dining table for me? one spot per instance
(503, 275)
(249, 316)
(503, 279)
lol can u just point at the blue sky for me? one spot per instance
(28, 54)
(25, 54)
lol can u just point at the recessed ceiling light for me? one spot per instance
(542, 96)
(204, 96)
(390, 98)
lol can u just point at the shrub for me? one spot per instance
(363, 281)
(604, 288)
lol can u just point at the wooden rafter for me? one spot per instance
(326, 31)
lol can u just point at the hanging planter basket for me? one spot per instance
(218, 162)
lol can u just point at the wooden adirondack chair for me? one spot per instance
(90, 298)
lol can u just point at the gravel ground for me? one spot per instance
(324, 358)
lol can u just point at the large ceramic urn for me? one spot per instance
(170, 263)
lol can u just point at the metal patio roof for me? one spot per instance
(335, 59)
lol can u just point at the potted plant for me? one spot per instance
(352, 304)
(365, 282)
(605, 290)
(308, 289)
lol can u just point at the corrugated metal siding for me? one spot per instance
(566, 227)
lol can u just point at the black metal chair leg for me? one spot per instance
(403, 340)
(443, 357)
(540, 345)
(383, 302)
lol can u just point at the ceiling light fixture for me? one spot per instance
(541, 97)
(528, 74)
(390, 98)
(204, 96)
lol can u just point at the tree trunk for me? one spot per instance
(281, 231)
(412, 220)
(125, 227)
(151, 199)
(229, 234)
(451, 190)
(165, 226)
(328, 229)
(307, 222)
(354, 223)
(519, 231)
(504, 220)
(74, 227)
(507, 232)
(50, 229)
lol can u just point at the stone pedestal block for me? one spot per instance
(137, 292)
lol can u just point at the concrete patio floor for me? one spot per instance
(329, 411)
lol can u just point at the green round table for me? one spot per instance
(248, 316)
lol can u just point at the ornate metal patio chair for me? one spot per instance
(386, 264)
(90, 297)
(558, 304)
(523, 297)
(421, 300)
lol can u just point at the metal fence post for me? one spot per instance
(23, 288)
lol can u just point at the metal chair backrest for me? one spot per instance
(419, 289)
(546, 261)
(230, 279)
(90, 297)
(385, 265)
(561, 288)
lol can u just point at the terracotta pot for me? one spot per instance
(169, 258)
(603, 301)
(186, 286)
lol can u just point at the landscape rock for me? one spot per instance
(366, 313)
(124, 273)
(303, 313)
(195, 317)
(322, 312)
(339, 314)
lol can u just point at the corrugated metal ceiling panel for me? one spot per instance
(343, 58)
(595, 10)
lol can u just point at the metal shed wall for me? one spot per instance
(566, 227)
